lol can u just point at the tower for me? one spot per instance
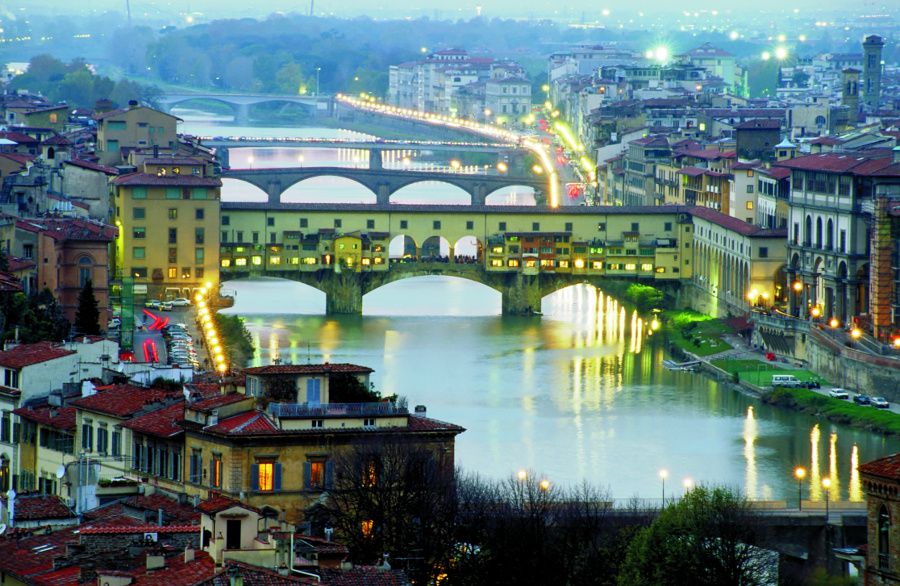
(872, 48)
(850, 93)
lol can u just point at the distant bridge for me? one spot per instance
(241, 103)
(383, 182)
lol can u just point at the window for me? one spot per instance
(763, 252)
(173, 272)
(173, 235)
(199, 236)
(266, 476)
(199, 193)
(87, 435)
(370, 224)
(304, 223)
(404, 224)
(749, 205)
(226, 220)
(138, 213)
(199, 214)
(884, 538)
(102, 440)
(317, 474)
(139, 252)
(139, 233)
(198, 255)
(195, 467)
(501, 226)
(5, 426)
(139, 272)
(601, 226)
(749, 188)
(535, 226)
(436, 225)
(198, 272)
(667, 226)
(370, 472)
(313, 391)
(173, 213)
(240, 236)
(272, 238)
(317, 423)
(367, 527)
(635, 227)
(470, 225)
(338, 222)
(173, 193)
(255, 237)
(568, 226)
(115, 446)
(173, 256)
(215, 471)
(185, 272)
(369, 422)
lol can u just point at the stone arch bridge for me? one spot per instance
(521, 294)
(241, 103)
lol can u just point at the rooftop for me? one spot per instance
(59, 417)
(326, 368)
(887, 467)
(29, 354)
(172, 180)
(35, 506)
(163, 423)
(735, 225)
(124, 400)
(218, 502)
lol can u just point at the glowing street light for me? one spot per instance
(826, 484)
(816, 312)
(797, 286)
(663, 474)
(522, 474)
(781, 53)
(733, 35)
(455, 164)
(766, 55)
(800, 474)
(537, 169)
(688, 484)
(661, 54)
(545, 484)
(856, 333)
(502, 167)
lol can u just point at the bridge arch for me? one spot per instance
(410, 193)
(240, 190)
(403, 246)
(518, 195)
(339, 189)
(468, 249)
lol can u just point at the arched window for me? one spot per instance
(807, 236)
(884, 538)
(818, 232)
(830, 235)
(85, 270)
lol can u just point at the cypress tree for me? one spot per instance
(87, 318)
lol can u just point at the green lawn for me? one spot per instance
(760, 373)
(696, 333)
(837, 410)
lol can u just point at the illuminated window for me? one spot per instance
(266, 476)
(660, 269)
(275, 260)
(497, 250)
(240, 262)
(173, 272)
(309, 260)
(647, 266)
(513, 262)
(367, 527)
(256, 260)
(546, 262)
(749, 205)
(215, 471)
(630, 266)
(530, 263)
(366, 261)
(496, 262)
(226, 262)
(316, 475)
(379, 260)
(597, 264)
(295, 260)
(370, 473)
(564, 264)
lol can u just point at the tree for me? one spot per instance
(346, 388)
(644, 297)
(706, 538)
(395, 497)
(87, 316)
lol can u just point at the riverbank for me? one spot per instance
(236, 339)
(745, 370)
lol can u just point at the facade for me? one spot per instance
(46, 445)
(119, 131)
(736, 265)
(310, 382)
(881, 484)
(873, 47)
(168, 219)
(742, 191)
(507, 97)
(88, 183)
(717, 63)
(773, 188)
(639, 164)
(756, 139)
(832, 220)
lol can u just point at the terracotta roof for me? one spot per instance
(759, 124)
(656, 141)
(29, 354)
(707, 50)
(57, 140)
(216, 402)
(826, 140)
(256, 576)
(364, 576)
(92, 166)
(58, 417)
(124, 400)
(19, 264)
(872, 163)
(181, 513)
(68, 576)
(419, 423)
(171, 180)
(18, 137)
(218, 502)
(692, 171)
(775, 172)
(745, 165)
(100, 529)
(736, 225)
(17, 158)
(62, 229)
(247, 423)
(164, 423)
(887, 467)
(177, 572)
(173, 161)
(326, 368)
(10, 283)
(38, 507)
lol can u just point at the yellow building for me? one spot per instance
(168, 219)
(46, 445)
(119, 131)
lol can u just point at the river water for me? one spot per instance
(571, 395)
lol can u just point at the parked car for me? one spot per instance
(152, 303)
(114, 323)
(860, 399)
(839, 393)
(181, 302)
(811, 384)
(165, 306)
(880, 403)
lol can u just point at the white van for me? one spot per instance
(785, 380)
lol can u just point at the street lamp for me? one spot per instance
(688, 484)
(815, 312)
(318, 69)
(799, 474)
(856, 333)
(545, 485)
(826, 484)
(663, 474)
(522, 475)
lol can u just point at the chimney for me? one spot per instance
(421, 409)
(895, 152)
(155, 562)
(159, 516)
(188, 554)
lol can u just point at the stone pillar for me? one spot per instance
(479, 194)
(522, 295)
(383, 194)
(242, 114)
(881, 273)
(274, 189)
(222, 157)
(375, 162)
(343, 292)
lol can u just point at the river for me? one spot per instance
(570, 395)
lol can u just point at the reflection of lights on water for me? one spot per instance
(273, 346)
(815, 475)
(751, 432)
(833, 467)
(855, 489)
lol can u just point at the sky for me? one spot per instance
(438, 8)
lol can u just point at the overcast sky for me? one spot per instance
(442, 9)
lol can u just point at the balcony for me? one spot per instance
(299, 410)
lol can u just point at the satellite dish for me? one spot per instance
(2, 528)
(61, 471)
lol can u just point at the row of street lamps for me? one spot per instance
(800, 474)
(213, 344)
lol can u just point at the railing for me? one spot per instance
(288, 410)
(780, 321)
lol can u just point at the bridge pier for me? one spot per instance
(383, 194)
(222, 158)
(274, 189)
(242, 114)
(376, 162)
(479, 194)
(521, 295)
